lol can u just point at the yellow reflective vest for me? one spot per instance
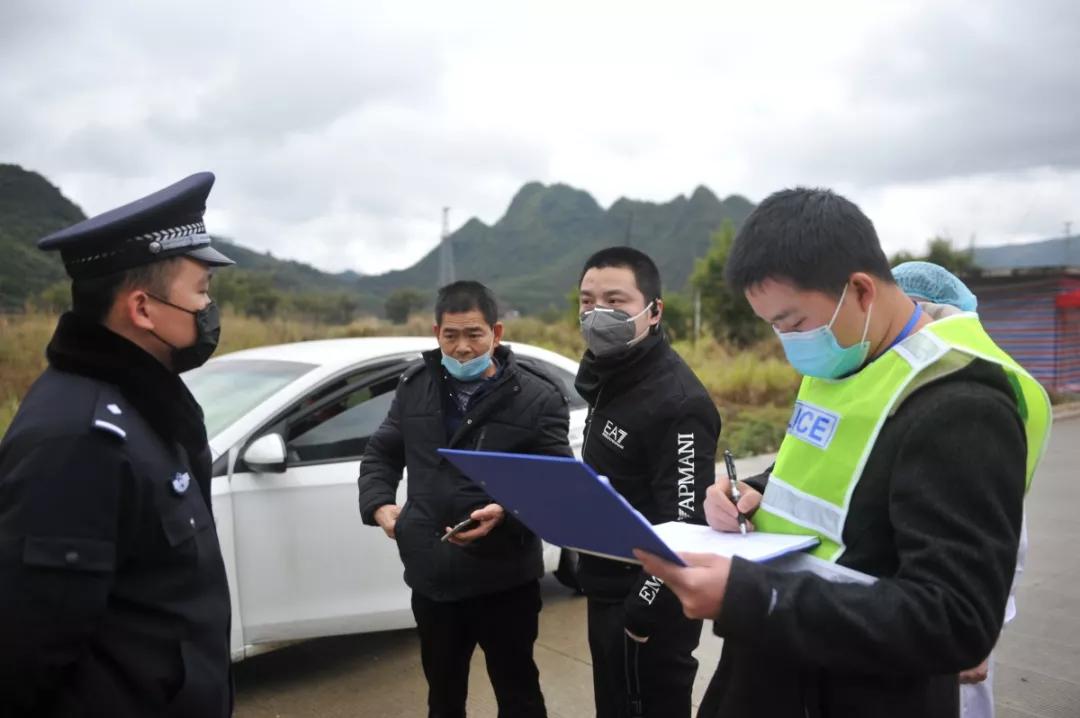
(835, 424)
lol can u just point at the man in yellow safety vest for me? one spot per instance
(910, 448)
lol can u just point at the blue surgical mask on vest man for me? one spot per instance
(817, 352)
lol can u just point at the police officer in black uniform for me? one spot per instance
(652, 430)
(113, 596)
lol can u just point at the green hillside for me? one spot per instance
(531, 256)
(30, 208)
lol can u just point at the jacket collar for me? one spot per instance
(506, 375)
(85, 347)
(622, 370)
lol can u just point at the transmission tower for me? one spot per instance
(446, 252)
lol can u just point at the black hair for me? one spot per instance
(813, 238)
(646, 275)
(465, 296)
(93, 297)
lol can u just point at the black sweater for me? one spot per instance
(936, 516)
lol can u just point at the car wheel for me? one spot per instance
(566, 573)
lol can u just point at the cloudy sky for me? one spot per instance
(339, 129)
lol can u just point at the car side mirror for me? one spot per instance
(266, 454)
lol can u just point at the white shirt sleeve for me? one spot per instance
(1021, 556)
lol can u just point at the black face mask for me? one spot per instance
(208, 332)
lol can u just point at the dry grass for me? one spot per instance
(22, 358)
(752, 389)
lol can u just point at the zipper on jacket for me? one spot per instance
(633, 679)
(469, 418)
(589, 421)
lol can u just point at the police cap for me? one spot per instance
(165, 224)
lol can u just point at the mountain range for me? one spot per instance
(530, 257)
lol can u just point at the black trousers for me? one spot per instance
(641, 680)
(505, 626)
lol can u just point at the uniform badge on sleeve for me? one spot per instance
(180, 483)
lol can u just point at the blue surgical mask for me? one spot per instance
(817, 352)
(471, 370)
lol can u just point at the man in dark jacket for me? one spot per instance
(479, 585)
(907, 457)
(113, 596)
(652, 430)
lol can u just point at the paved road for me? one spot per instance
(378, 675)
(1039, 654)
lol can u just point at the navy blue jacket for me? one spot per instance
(113, 596)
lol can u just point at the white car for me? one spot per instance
(287, 427)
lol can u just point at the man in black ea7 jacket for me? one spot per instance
(652, 430)
(480, 586)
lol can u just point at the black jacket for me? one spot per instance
(652, 430)
(523, 412)
(113, 596)
(936, 515)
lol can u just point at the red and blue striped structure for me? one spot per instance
(1036, 319)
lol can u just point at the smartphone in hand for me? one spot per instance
(466, 525)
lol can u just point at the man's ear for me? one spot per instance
(865, 289)
(134, 308)
(435, 330)
(497, 330)
(657, 312)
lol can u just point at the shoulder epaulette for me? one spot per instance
(109, 414)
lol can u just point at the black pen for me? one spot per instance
(729, 463)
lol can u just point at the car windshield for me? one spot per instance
(229, 389)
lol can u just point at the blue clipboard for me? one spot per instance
(564, 502)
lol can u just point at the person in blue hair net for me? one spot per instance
(929, 282)
(933, 283)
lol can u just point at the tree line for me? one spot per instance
(729, 318)
(723, 315)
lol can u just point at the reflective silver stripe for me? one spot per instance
(113, 428)
(191, 240)
(161, 235)
(826, 569)
(787, 502)
(922, 349)
(185, 235)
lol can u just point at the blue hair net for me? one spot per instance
(924, 280)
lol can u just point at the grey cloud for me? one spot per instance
(24, 21)
(337, 133)
(93, 147)
(397, 174)
(305, 90)
(287, 114)
(958, 90)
